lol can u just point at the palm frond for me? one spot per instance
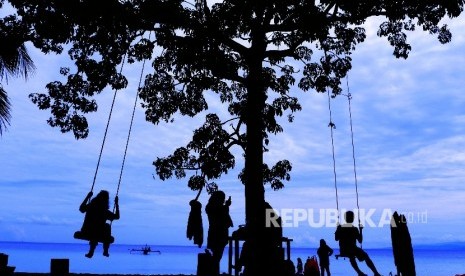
(15, 61)
(5, 110)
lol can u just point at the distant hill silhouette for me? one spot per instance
(441, 246)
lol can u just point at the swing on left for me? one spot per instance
(95, 229)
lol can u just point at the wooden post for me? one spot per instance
(288, 245)
(3, 260)
(5, 270)
(236, 256)
(230, 257)
(59, 267)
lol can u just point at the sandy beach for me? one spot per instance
(90, 274)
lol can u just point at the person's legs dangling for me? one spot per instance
(92, 246)
(106, 247)
(354, 264)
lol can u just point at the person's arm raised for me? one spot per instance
(117, 207)
(83, 206)
(360, 236)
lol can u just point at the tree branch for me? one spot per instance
(279, 54)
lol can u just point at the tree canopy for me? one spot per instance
(250, 53)
(216, 48)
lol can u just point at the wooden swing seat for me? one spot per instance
(344, 255)
(341, 256)
(105, 238)
(83, 236)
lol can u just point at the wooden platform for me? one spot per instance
(5, 269)
(234, 253)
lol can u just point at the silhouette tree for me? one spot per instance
(14, 62)
(247, 52)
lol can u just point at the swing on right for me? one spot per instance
(347, 234)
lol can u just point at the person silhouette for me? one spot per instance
(194, 223)
(273, 231)
(95, 225)
(272, 238)
(300, 267)
(348, 235)
(219, 221)
(323, 252)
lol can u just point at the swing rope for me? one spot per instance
(349, 98)
(199, 192)
(106, 130)
(130, 127)
(79, 234)
(333, 126)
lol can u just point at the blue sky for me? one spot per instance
(409, 131)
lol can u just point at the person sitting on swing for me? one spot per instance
(95, 226)
(348, 235)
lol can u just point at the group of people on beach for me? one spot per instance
(346, 234)
(97, 230)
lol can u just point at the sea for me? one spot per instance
(36, 257)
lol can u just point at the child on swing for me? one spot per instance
(95, 225)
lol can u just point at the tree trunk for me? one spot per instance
(260, 256)
(254, 191)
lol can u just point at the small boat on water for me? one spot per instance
(145, 250)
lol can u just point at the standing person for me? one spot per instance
(324, 251)
(95, 225)
(273, 236)
(348, 235)
(300, 267)
(219, 221)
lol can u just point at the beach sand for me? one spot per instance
(89, 274)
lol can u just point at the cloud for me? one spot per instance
(43, 220)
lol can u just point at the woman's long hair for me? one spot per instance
(101, 200)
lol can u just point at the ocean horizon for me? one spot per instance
(35, 257)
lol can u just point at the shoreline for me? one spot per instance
(99, 274)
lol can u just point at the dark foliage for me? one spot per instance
(209, 49)
(243, 51)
